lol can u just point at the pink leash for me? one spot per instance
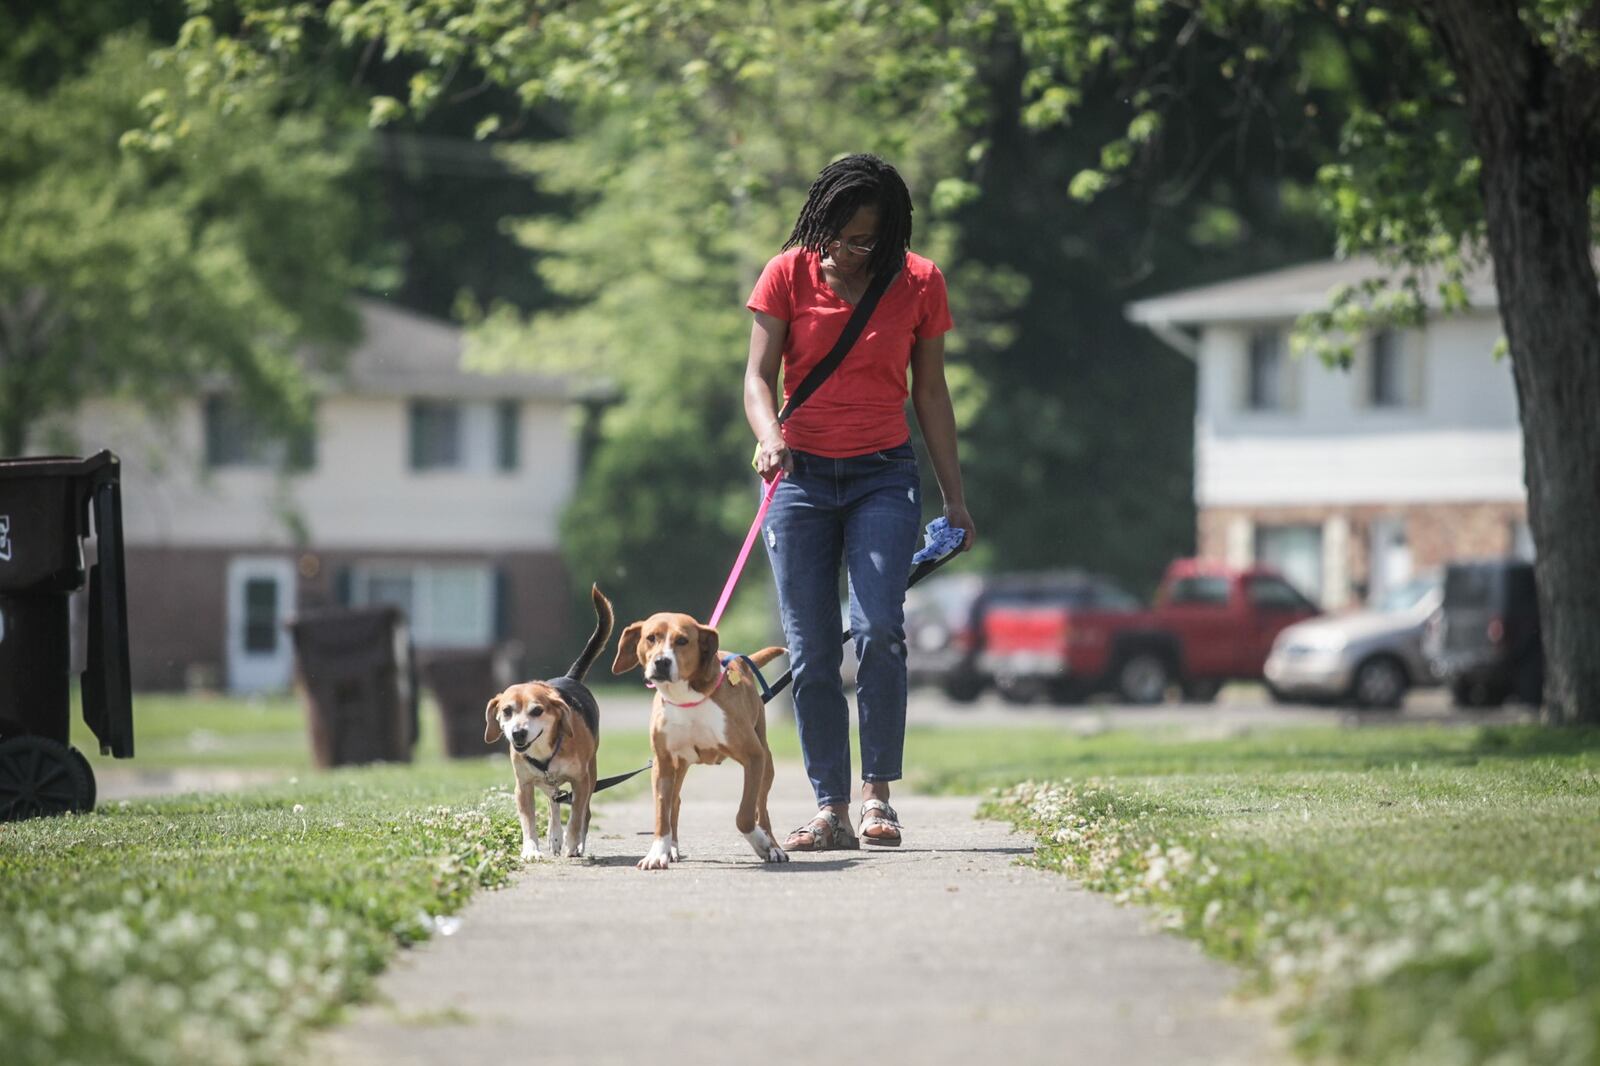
(744, 553)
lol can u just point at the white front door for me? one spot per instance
(260, 600)
(1391, 564)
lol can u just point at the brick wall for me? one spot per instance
(177, 606)
(1436, 532)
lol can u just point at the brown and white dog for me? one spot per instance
(554, 730)
(703, 713)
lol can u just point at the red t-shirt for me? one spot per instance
(861, 407)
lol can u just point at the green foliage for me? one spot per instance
(679, 201)
(42, 43)
(1170, 120)
(207, 930)
(1411, 895)
(147, 252)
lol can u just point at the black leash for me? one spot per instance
(918, 572)
(767, 692)
(604, 783)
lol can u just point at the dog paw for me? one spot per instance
(766, 849)
(676, 853)
(659, 857)
(531, 853)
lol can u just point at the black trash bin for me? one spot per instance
(463, 681)
(48, 505)
(357, 678)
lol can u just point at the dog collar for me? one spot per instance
(543, 766)
(702, 699)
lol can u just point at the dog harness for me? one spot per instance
(544, 766)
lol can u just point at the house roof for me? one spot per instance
(402, 353)
(1281, 294)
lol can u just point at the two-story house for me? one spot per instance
(1350, 480)
(424, 486)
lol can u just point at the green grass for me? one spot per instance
(217, 928)
(214, 929)
(1410, 895)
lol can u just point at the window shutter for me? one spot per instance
(501, 604)
(508, 436)
(414, 434)
(342, 586)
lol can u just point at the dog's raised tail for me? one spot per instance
(766, 655)
(605, 619)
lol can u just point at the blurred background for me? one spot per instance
(465, 359)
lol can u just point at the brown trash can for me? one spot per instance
(462, 682)
(357, 678)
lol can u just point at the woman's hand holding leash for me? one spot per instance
(772, 457)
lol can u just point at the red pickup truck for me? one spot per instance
(1209, 624)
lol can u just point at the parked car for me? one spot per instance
(945, 623)
(1026, 631)
(941, 645)
(1486, 644)
(1368, 658)
(1209, 624)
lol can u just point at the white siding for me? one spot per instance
(360, 494)
(1461, 441)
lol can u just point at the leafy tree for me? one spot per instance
(147, 261)
(1472, 132)
(676, 209)
(1477, 136)
(42, 43)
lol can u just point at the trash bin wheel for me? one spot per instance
(40, 776)
(88, 795)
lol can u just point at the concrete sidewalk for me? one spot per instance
(943, 951)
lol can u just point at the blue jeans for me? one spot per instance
(866, 512)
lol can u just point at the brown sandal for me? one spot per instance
(826, 832)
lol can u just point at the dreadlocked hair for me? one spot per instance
(844, 187)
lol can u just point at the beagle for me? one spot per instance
(703, 713)
(554, 729)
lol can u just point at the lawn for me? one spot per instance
(214, 929)
(1408, 894)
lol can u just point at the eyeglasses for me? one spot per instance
(857, 249)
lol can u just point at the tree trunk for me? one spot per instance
(1534, 126)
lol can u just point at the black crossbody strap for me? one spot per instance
(841, 348)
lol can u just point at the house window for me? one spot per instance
(1267, 388)
(508, 433)
(1296, 553)
(261, 616)
(1387, 379)
(234, 436)
(446, 606)
(435, 435)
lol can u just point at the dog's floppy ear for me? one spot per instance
(628, 649)
(491, 722)
(709, 666)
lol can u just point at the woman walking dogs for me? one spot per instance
(851, 489)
